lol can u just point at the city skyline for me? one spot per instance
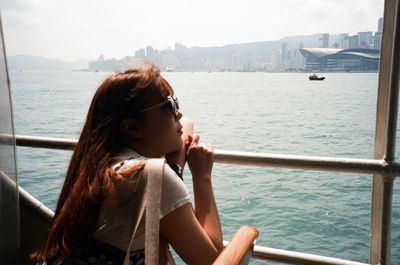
(264, 56)
(281, 55)
(71, 30)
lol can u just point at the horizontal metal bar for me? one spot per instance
(35, 204)
(352, 165)
(292, 257)
(46, 142)
(302, 162)
(39, 142)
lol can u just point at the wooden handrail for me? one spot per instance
(237, 248)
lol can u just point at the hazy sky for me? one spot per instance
(75, 29)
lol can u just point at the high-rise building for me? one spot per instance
(377, 40)
(365, 39)
(380, 24)
(295, 60)
(284, 54)
(378, 34)
(325, 40)
(343, 40)
(140, 54)
(353, 41)
(276, 60)
(180, 47)
(150, 52)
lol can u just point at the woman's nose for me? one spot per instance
(179, 115)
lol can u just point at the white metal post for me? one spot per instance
(385, 135)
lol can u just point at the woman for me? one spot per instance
(133, 116)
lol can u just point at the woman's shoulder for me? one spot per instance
(127, 164)
(127, 161)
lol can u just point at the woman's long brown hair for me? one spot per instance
(89, 179)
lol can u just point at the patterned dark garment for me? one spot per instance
(95, 252)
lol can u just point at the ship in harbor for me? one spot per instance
(316, 77)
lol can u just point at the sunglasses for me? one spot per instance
(173, 105)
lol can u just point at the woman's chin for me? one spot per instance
(177, 147)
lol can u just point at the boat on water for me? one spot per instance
(24, 219)
(315, 77)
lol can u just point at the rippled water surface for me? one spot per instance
(316, 212)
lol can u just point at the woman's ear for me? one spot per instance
(130, 128)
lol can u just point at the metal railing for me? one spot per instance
(339, 164)
(361, 166)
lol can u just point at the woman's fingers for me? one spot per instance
(210, 147)
(194, 141)
(188, 141)
(206, 147)
(195, 144)
(196, 138)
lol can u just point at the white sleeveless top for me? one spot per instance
(114, 224)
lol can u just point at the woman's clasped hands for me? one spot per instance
(200, 157)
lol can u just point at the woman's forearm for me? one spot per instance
(206, 210)
(201, 159)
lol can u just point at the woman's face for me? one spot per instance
(161, 130)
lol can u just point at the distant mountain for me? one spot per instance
(184, 58)
(307, 41)
(263, 49)
(25, 62)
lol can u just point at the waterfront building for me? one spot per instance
(334, 41)
(140, 54)
(380, 24)
(295, 61)
(320, 59)
(130, 61)
(343, 40)
(353, 42)
(276, 60)
(150, 52)
(378, 34)
(97, 65)
(235, 62)
(325, 40)
(284, 54)
(129, 58)
(377, 40)
(365, 39)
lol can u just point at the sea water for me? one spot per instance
(324, 213)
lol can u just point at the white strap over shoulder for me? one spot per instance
(153, 172)
(153, 197)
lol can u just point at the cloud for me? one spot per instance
(15, 5)
(19, 15)
(336, 16)
(20, 21)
